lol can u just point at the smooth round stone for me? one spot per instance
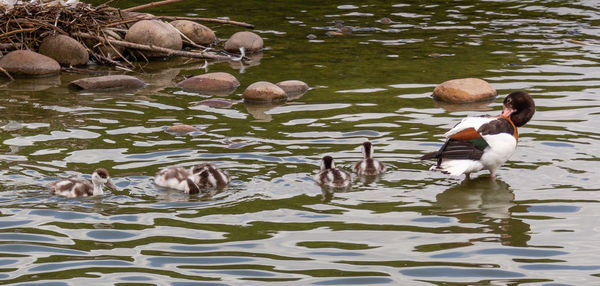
(28, 63)
(215, 103)
(464, 90)
(109, 82)
(198, 33)
(65, 50)
(263, 91)
(250, 41)
(293, 88)
(217, 83)
(155, 33)
(181, 129)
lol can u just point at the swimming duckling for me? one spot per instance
(72, 188)
(191, 181)
(331, 176)
(368, 166)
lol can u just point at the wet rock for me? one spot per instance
(216, 83)
(198, 33)
(464, 90)
(385, 21)
(109, 82)
(28, 63)
(263, 92)
(155, 33)
(333, 34)
(293, 88)
(65, 50)
(311, 36)
(250, 41)
(215, 103)
(181, 129)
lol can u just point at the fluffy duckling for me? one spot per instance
(191, 181)
(368, 166)
(72, 188)
(330, 176)
(484, 143)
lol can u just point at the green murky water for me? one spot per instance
(537, 224)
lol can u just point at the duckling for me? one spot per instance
(368, 166)
(190, 181)
(211, 176)
(72, 188)
(330, 176)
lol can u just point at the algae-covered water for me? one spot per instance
(536, 225)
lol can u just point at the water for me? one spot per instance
(537, 224)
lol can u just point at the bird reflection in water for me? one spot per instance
(486, 202)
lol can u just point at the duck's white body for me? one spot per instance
(72, 188)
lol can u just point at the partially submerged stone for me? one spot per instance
(65, 50)
(198, 33)
(28, 63)
(181, 129)
(293, 88)
(217, 83)
(264, 92)
(251, 42)
(155, 33)
(110, 82)
(215, 103)
(464, 90)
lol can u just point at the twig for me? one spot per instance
(17, 31)
(214, 20)
(153, 4)
(6, 73)
(168, 52)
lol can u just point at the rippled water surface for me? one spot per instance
(537, 224)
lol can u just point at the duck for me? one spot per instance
(191, 180)
(72, 188)
(368, 165)
(484, 142)
(330, 176)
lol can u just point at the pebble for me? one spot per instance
(250, 41)
(217, 83)
(198, 33)
(293, 88)
(28, 63)
(464, 90)
(65, 50)
(155, 33)
(263, 92)
(109, 82)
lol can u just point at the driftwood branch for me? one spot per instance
(168, 52)
(214, 20)
(149, 5)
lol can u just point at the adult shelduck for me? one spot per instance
(486, 142)
(368, 165)
(330, 176)
(72, 188)
(190, 181)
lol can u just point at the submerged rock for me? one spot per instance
(293, 88)
(215, 103)
(181, 129)
(155, 33)
(263, 91)
(65, 50)
(251, 42)
(464, 90)
(216, 83)
(198, 33)
(107, 82)
(28, 63)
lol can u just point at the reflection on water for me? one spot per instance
(273, 225)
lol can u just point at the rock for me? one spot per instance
(293, 88)
(181, 129)
(198, 33)
(250, 41)
(333, 34)
(65, 50)
(263, 91)
(155, 33)
(464, 90)
(216, 83)
(107, 82)
(385, 21)
(28, 63)
(215, 102)
(311, 36)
